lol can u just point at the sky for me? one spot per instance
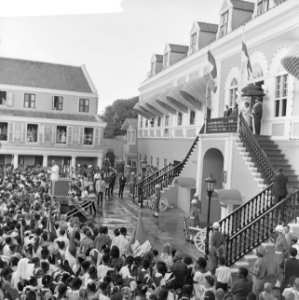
(115, 39)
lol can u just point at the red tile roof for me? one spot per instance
(55, 115)
(242, 5)
(28, 73)
(208, 27)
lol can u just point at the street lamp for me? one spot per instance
(143, 165)
(210, 186)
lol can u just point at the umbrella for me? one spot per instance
(291, 61)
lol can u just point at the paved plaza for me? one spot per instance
(169, 227)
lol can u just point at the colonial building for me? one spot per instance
(176, 104)
(48, 111)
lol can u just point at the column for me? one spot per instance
(45, 161)
(73, 162)
(15, 161)
(100, 160)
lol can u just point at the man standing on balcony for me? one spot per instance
(257, 113)
(280, 186)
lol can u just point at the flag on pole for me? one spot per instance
(245, 62)
(139, 242)
(211, 77)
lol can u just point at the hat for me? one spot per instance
(215, 225)
(194, 201)
(279, 228)
(261, 250)
(157, 186)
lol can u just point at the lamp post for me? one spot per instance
(143, 164)
(210, 186)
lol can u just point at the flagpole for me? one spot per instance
(206, 115)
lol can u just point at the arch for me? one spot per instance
(213, 161)
(275, 63)
(259, 59)
(233, 76)
(110, 158)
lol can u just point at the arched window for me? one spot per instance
(281, 93)
(233, 89)
(257, 71)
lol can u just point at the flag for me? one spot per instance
(139, 242)
(245, 62)
(211, 77)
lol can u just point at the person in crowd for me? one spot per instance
(194, 216)
(122, 183)
(223, 275)
(288, 234)
(166, 255)
(112, 183)
(217, 244)
(121, 242)
(107, 187)
(246, 113)
(259, 271)
(54, 171)
(156, 199)
(257, 113)
(267, 293)
(200, 273)
(100, 189)
(281, 253)
(227, 112)
(280, 182)
(292, 292)
(243, 286)
(235, 111)
(291, 267)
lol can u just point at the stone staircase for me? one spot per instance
(278, 160)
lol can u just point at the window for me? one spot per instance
(152, 122)
(3, 131)
(165, 60)
(57, 103)
(262, 6)
(141, 122)
(88, 136)
(166, 123)
(2, 97)
(159, 122)
(61, 134)
(32, 130)
(84, 105)
(281, 94)
(146, 123)
(180, 119)
(223, 24)
(257, 71)
(192, 117)
(233, 92)
(193, 42)
(29, 100)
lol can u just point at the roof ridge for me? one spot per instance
(41, 62)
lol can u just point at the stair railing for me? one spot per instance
(261, 229)
(80, 207)
(248, 212)
(164, 176)
(257, 154)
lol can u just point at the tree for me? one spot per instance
(116, 114)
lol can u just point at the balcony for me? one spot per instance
(222, 125)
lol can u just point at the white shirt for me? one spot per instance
(223, 275)
(55, 172)
(122, 243)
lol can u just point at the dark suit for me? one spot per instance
(122, 183)
(280, 187)
(257, 113)
(291, 269)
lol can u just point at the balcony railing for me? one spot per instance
(222, 125)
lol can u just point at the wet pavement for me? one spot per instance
(168, 227)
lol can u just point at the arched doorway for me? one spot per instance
(212, 164)
(110, 158)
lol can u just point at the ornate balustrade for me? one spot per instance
(257, 154)
(247, 212)
(222, 125)
(261, 229)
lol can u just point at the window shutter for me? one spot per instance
(70, 135)
(81, 132)
(10, 131)
(97, 137)
(41, 134)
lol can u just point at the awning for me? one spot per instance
(176, 103)
(154, 110)
(185, 182)
(162, 101)
(176, 95)
(226, 197)
(141, 111)
(160, 108)
(147, 111)
(291, 61)
(195, 92)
